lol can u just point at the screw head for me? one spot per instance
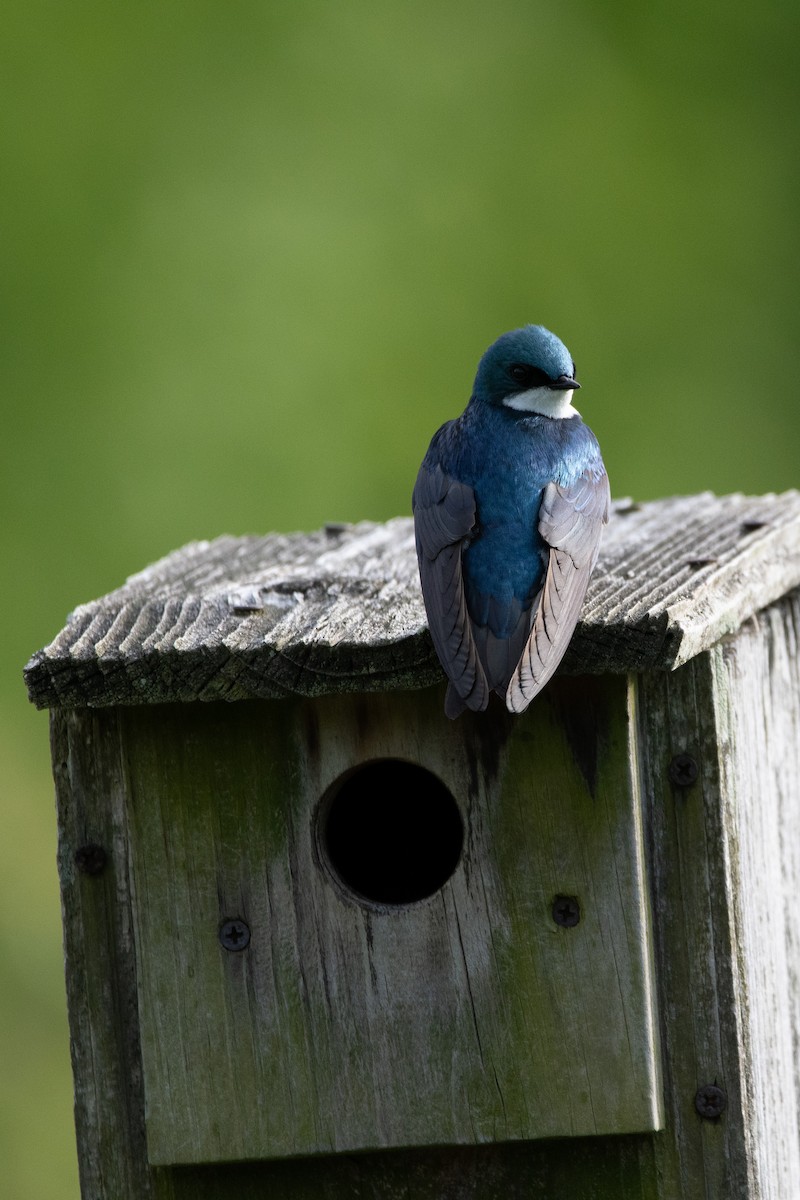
(710, 1101)
(234, 935)
(683, 770)
(566, 911)
(91, 859)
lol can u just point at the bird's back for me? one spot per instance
(508, 505)
(508, 461)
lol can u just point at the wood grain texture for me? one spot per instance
(341, 610)
(724, 862)
(758, 706)
(469, 1017)
(726, 877)
(110, 1106)
(704, 1160)
(99, 960)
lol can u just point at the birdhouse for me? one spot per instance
(321, 940)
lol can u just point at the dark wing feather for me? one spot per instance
(500, 654)
(571, 521)
(444, 515)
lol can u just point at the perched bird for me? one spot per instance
(509, 506)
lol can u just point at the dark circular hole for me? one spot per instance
(391, 832)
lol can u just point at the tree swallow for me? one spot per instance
(509, 506)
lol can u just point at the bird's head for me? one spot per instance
(528, 370)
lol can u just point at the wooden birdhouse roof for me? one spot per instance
(340, 610)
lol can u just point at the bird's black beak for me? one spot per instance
(565, 383)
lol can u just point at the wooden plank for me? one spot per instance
(697, 1158)
(109, 1110)
(758, 707)
(469, 1017)
(725, 887)
(725, 868)
(617, 1168)
(341, 610)
(100, 967)
(724, 864)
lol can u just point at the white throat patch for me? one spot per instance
(543, 400)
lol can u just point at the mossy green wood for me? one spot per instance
(101, 985)
(465, 1018)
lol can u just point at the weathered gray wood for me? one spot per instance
(691, 913)
(100, 967)
(104, 1027)
(153, 785)
(758, 706)
(726, 879)
(470, 1017)
(724, 869)
(340, 609)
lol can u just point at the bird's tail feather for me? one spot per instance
(454, 705)
(499, 656)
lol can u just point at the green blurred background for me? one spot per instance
(251, 254)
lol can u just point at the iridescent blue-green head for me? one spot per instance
(527, 370)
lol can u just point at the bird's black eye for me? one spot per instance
(574, 370)
(529, 375)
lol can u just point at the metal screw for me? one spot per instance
(683, 770)
(91, 859)
(234, 935)
(566, 911)
(710, 1101)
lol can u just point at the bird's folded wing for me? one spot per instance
(571, 520)
(444, 514)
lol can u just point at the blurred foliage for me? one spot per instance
(251, 255)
